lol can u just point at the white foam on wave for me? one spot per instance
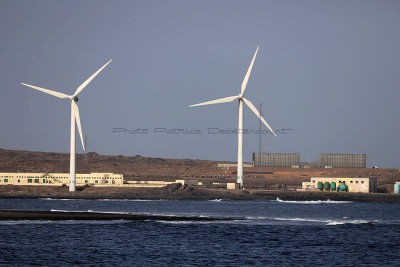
(312, 202)
(352, 222)
(111, 212)
(163, 214)
(309, 220)
(64, 199)
(216, 200)
(288, 219)
(54, 210)
(122, 212)
(92, 211)
(182, 222)
(133, 200)
(301, 220)
(197, 222)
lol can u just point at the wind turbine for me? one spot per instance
(241, 99)
(74, 117)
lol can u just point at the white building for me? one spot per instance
(58, 179)
(362, 185)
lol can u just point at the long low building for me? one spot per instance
(342, 160)
(324, 160)
(276, 159)
(361, 185)
(58, 179)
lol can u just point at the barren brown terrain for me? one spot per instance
(145, 168)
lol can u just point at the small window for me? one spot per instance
(36, 181)
(6, 180)
(362, 182)
(356, 182)
(44, 181)
(29, 180)
(96, 181)
(86, 181)
(351, 182)
(106, 181)
(19, 181)
(313, 181)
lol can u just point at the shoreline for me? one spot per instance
(179, 192)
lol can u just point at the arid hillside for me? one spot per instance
(130, 166)
(145, 168)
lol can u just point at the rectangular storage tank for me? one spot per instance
(343, 160)
(276, 159)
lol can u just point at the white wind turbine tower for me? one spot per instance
(74, 117)
(241, 99)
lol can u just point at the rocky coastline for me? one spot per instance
(184, 192)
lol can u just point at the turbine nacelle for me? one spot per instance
(74, 98)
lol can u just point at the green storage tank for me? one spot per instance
(333, 186)
(396, 189)
(327, 186)
(343, 187)
(320, 186)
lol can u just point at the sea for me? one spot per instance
(264, 233)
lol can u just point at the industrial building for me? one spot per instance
(343, 160)
(360, 185)
(276, 159)
(324, 160)
(58, 179)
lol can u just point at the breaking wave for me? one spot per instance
(92, 211)
(312, 202)
(276, 220)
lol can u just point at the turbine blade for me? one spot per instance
(78, 121)
(246, 78)
(47, 91)
(83, 85)
(253, 108)
(217, 101)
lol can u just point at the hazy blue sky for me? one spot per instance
(328, 69)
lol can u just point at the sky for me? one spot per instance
(327, 70)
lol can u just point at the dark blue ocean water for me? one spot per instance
(273, 233)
